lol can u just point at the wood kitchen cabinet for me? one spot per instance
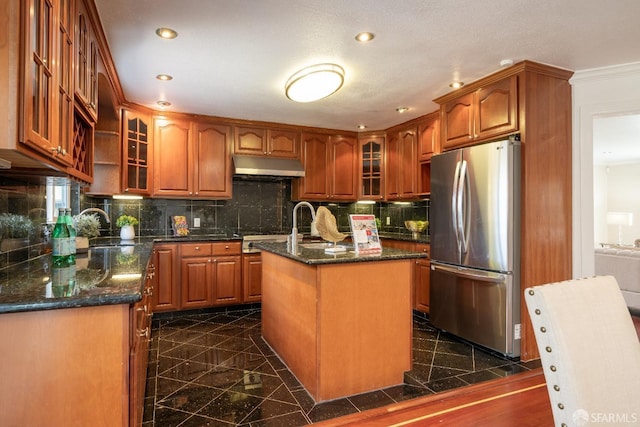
(251, 277)
(331, 168)
(421, 272)
(210, 274)
(191, 159)
(166, 280)
(485, 113)
(137, 151)
(268, 142)
(401, 164)
(371, 167)
(86, 61)
(428, 145)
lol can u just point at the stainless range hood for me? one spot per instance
(267, 166)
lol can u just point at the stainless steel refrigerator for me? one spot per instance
(475, 250)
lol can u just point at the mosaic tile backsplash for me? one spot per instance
(258, 206)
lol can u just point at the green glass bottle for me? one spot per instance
(72, 236)
(60, 241)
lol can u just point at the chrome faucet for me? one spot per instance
(106, 217)
(294, 231)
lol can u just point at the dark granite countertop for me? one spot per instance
(111, 272)
(405, 237)
(309, 255)
(104, 276)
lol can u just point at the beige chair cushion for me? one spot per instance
(589, 350)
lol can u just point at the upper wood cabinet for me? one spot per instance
(191, 159)
(429, 136)
(257, 141)
(137, 152)
(371, 168)
(331, 168)
(483, 114)
(401, 164)
(86, 64)
(46, 93)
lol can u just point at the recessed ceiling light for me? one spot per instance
(506, 62)
(166, 33)
(314, 82)
(365, 36)
(402, 109)
(362, 127)
(456, 85)
(164, 77)
(163, 104)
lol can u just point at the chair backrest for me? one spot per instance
(589, 351)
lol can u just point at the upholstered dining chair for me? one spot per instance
(589, 351)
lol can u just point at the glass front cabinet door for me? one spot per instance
(371, 168)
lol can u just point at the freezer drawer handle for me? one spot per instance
(485, 277)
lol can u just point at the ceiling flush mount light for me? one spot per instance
(166, 33)
(365, 36)
(361, 127)
(163, 104)
(164, 77)
(402, 109)
(456, 85)
(314, 82)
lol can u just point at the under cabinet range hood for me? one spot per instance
(267, 166)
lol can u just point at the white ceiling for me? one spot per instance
(233, 57)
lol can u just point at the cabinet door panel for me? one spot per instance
(393, 162)
(172, 167)
(428, 138)
(344, 158)
(497, 108)
(252, 277)
(228, 284)
(409, 163)
(457, 122)
(196, 277)
(166, 292)
(314, 158)
(282, 144)
(421, 283)
(213, 162)
(250, 141)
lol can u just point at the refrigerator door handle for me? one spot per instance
(467, 274)
(455, 202)
(461, 208)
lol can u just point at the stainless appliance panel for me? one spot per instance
(474, 199)
(478, 305)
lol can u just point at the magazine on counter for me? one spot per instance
(364, 233)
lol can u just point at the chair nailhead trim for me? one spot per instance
(553, 368)
(531, 292)
(548, 349)
(537, 311)
(563, 425)
(560, 405)
(543, 329)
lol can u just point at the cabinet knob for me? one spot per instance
(197, 248)
(226, 247)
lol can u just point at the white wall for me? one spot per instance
(604, 91)
(623, 195)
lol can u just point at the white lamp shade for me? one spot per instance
(619, 218)
(314, 82)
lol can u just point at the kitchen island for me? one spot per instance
(342, 323)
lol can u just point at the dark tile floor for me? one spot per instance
(214, 369)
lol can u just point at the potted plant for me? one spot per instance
(15, 231)
(126, 223)
(87, 226)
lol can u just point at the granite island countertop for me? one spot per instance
(315, 256)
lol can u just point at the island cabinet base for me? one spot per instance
(342, 329)
(66, 367)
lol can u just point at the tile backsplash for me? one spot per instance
(258, 206)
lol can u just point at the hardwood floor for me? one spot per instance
(522, 397)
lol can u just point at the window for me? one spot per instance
(58, 196)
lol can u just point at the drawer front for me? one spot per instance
(195, 249)
(227, 248)
(424, 248)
